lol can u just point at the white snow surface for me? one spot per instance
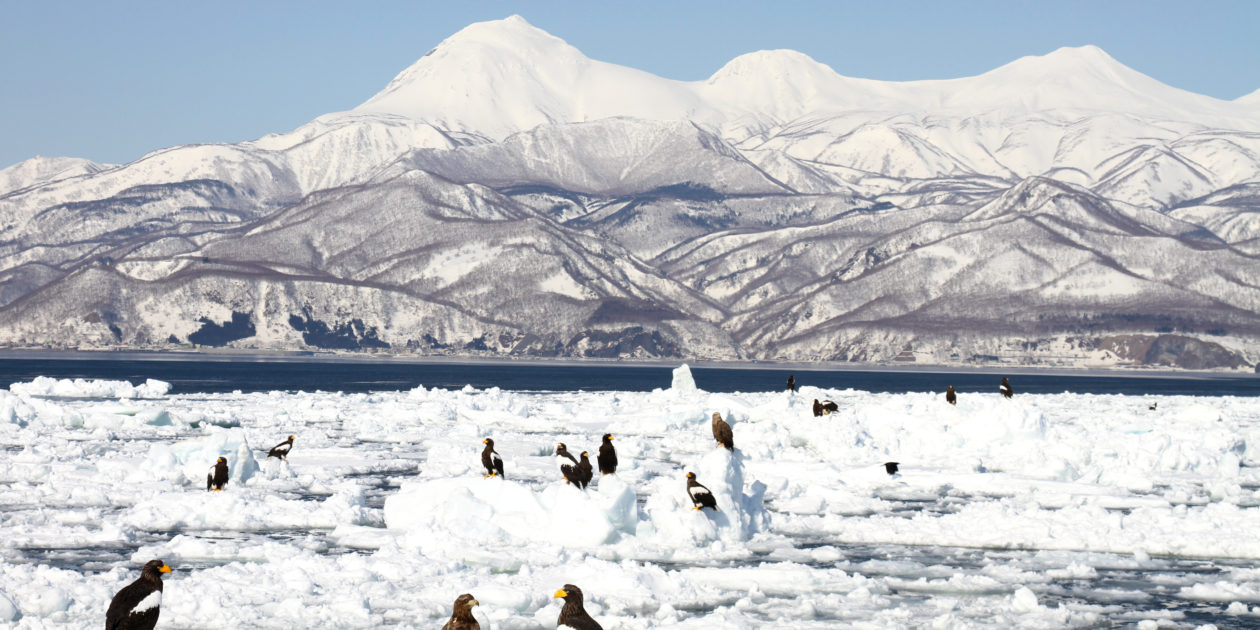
(1043, 511)
(83, 388)
(500, 77)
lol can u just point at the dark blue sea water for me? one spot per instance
(217, 375)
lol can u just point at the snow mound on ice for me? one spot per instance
(119, 416)
(236, 511)
(497, 511)
(46, 387)
(672, 519)
(189, 461)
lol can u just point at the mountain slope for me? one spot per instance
(506, 195)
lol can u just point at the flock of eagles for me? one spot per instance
(137, 605)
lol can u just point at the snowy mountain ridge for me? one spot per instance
(534, 78)
(507, 195)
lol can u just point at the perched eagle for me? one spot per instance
(823, 408)
(137, 605)
(585, 471)
(461, 616)
(218, 477)
(791, 383)
(281, 450)
(701, 497)
(950, 396)
(573, 615)
(567, 464)
(607, 456)
(491, 459)
(1006, 387)
(722, 432)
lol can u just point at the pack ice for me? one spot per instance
(1043, 511)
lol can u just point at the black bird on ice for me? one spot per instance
(281, 450)
(573, 615)
(218, 477)
(491, 460)
(607, 456)
(137, 605)
(568, 465)
(701, 496)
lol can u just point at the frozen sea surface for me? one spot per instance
(1044, 511)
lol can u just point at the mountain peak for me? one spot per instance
(1068, 61)
(782, 64)
(489, 78)
(510, 32)
(1087, 54)
(781, 84)
(1074, 80)
(42, 170)
(501, 77)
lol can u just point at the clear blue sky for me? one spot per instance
(110, 81)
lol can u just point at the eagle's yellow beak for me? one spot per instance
(166, 568)
(560, 593)
(474, 603)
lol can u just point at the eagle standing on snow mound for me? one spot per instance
(722, 432)
(137, 605)
(823, 408)
(573, 615)
(491, 459)
(950, 396)
(607, 456)
(701, 497)
(1005, 387)
(461, 617)
(567, 464)
(218, 476)
(585, 472)
(281, 450)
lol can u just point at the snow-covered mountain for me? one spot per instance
(507, 195)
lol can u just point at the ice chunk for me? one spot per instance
(673, 517)
(119, 416)
(14, 410)
(189, 461)
(498, 510)
(90, 388)
(618, 502)
(683, 382)
(242, 511)
(8, 610)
